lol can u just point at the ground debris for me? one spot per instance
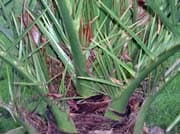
(88, 116)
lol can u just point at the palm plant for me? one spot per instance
(113, 45)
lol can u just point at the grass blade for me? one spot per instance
(106, 82)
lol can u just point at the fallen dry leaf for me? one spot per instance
(34, 32)
(115, 81)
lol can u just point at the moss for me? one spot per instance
(6, 121)
(4, 92)
(166, 106)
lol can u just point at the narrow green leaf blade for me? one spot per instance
(130, 32)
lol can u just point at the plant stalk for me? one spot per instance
(121, 102)
(79, 60)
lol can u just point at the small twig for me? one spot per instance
(176, 64)
(118, 113)
(176, 121)
(54, 77)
